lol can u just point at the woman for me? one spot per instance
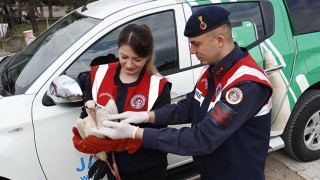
(135, 85)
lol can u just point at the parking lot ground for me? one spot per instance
(280, 166)
(276, 170)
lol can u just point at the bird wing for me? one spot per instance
(110, 108)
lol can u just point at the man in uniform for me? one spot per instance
(230, 107)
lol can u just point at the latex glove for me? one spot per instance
(130, 117)
(116, 130)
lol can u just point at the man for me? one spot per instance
(230, 107)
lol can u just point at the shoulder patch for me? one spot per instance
(234, 95)
(221, 115)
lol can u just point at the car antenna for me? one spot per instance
(84, 8)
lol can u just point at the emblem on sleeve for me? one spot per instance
(234, 95)
(137, 101)
(221, 115)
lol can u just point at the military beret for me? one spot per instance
(205, 20)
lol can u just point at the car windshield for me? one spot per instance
(18, 75)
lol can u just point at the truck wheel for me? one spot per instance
(302, 132)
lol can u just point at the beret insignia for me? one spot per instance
(203, 25)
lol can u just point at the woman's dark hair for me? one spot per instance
(140, 39)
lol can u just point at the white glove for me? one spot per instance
(130, 117)
(117, 130)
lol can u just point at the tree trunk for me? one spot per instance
(31, 6)
(50, 8)
(20, 11)
(41, 10)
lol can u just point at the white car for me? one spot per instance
(36, 119)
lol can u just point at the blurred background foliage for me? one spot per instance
(17, 16)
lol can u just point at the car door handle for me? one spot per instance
(15, 130)
(275, 68)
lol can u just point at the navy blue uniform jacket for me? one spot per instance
(236, 150)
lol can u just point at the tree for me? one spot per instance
(50, 8)
(40, 5)
(31, 11)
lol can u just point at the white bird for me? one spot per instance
(94, 120)
(95, 117)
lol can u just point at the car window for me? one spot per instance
(30, 63)
(305, 15)
(163, 29)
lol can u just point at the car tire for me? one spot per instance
(302, 132)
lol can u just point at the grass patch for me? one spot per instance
(14, 41)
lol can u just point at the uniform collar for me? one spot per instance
(228, 61)
(118, 82)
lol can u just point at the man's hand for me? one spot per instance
(115, 130)
(130, 117)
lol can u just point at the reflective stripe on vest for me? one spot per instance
(242, 71)
(100, 72)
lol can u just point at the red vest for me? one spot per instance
(244, 69)
(139, 98)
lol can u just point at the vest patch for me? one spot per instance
(218, 89)
(205, 81)
(197, 95)
(105, 94)
(234, 95)
(137, 101)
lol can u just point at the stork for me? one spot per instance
(94, 120)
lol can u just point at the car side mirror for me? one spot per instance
(63, 90)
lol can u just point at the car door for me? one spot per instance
(53, 124)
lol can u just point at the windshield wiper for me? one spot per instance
(84, 8)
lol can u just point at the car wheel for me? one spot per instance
(302, 132)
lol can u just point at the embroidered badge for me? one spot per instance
(234, 95)
(219, 70)
(221, 115)
(137, 101)
(218, 89)
(203, 25)
(205, 81)
(106, 94)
